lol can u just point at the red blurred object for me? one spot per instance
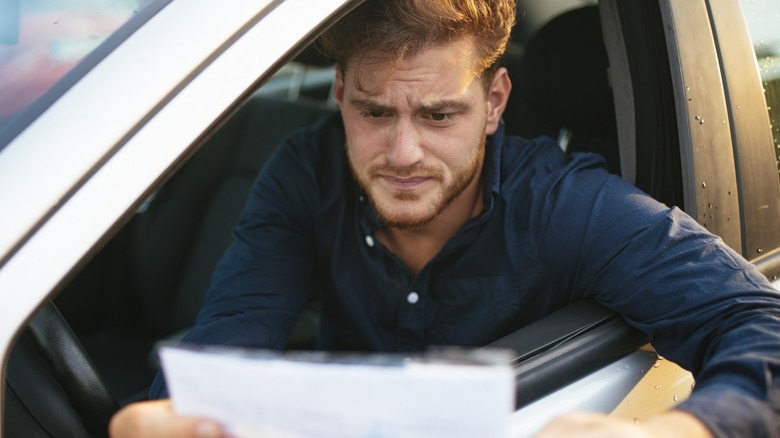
(48, 46)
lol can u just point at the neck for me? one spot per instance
(416, 247)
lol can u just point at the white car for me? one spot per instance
(130, 131)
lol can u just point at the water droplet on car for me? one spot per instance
(704, 184)
(656, 365)
(675, 397)
(657, 387)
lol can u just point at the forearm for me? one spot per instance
(730, 412)
(676, 423)
(670, 424)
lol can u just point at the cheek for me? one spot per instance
(359, 154)
(363, 145)
(457, 149)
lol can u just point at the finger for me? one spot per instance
(156, 419)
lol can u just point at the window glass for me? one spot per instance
(762, 18)
(41, 40)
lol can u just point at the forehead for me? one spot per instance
(445, 65)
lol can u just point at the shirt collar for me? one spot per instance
(491, 177)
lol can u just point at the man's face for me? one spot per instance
(416, 135)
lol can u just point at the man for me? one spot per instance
(434, 228)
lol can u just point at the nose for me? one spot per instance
(404, 144)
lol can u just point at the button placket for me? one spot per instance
(411, 318)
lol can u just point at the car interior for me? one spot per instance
(91, 349)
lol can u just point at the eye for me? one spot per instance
(440, 118)
(373, 114)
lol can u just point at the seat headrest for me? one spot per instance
(564, 73)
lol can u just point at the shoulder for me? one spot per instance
(315, 150)
(318, 140)
(308, 170)
(560, 191)
(540, 166)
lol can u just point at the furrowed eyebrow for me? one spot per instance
(445, 106)
(369, 106)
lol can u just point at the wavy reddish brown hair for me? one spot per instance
(400, 28)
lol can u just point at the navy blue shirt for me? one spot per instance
(555, 228)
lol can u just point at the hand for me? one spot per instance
(588, 425)
(155, 419)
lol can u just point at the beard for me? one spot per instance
(396, 216)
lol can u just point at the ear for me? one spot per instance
(338, 89)
(497, 97)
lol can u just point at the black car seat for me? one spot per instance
(150, 280)
(561, 86)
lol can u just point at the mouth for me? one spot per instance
(405, 184)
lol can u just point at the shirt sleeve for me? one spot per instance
(263, 280)
(701, 304)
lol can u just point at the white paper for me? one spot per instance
(272, 396)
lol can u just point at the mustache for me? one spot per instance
(415, 170)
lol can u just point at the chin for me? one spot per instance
(412, 218)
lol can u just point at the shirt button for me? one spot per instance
(370, 241)
(413, 297)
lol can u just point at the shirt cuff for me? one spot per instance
(728, 412)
